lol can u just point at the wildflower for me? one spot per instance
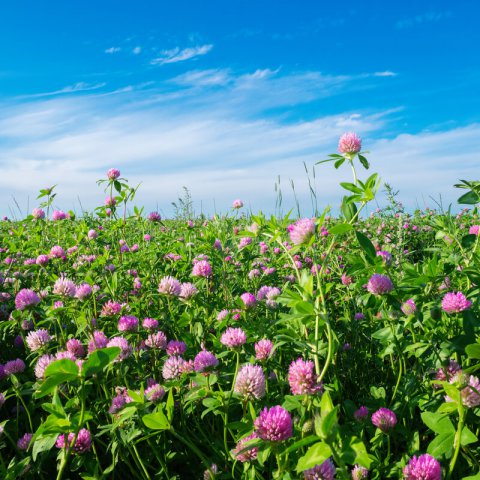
(379, 284)
(445, 374)
(172, 368)
(361, 414)
(359, 473)
(324, 471)
(233, 338)
(455, 302)
(113, 174)
(384, 419)
(246, 455)
(83, 442)
(38, 214)
(263, 349)
(170, 286)
(156, 340)
(409, 307)
(205, 361)
(75, 347)
(249, 300)
(302, 379)
(110, 201)
(126, 349)
(57, 252)
(24, 442)
(26, 298)
(99, 340)
(14, 366)
(58, 215)
(83, 291)
(474, 230)
(154, 217)
(42, 363)
(274, 424)
(301, 231)
(237, 204)
(42, 260)
(202, 269)
(250, 382)
(64, 286)
(175, 347)
(469, 389)
(244, 241)
(154, 393)
(110, 309)
(386, 257)
(128, 323)
(349, 143)
(188, 290)
(37, 339)
(150, 323)
(425, 467)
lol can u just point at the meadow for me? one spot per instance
(242, 346)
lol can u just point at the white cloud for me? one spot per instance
(137, 50)
(386, 73)
(75, 88)
(428, 17)
(177, 55)
(112, 50)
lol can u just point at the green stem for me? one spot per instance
(458, 436)
(225, 421)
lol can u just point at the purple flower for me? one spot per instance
(42, 260)
(83, 443)
(57, 252)
(247, 455)
(59, 215)
(110, 309)
(128, 323)
(455, 302)
(24, 442)
(379, 284)
(205, 361)
(202, 269)
(14, 366)
(26, 298)
(263, 349)
(445, 374)
(126, 349)
(150, 323)
(361, 414)
(386, 257)
(37, 339)
(302, 378)
(237, 204)
(42, 363)
(384, 419)
(359, 316)
(99, 340)
(233, 337)
(170, 286)
(38, 214)
(409, 307)
(469, 389)
(244, 241)
(249, 300)
(425, 467)
(154, 393)
(359, 473)
(274, 424)
(250, 382)
(176, 347)
(156, 340)
(119, 401)
(113, 174)
(301, 231)
(154, 217)
(349, 143)
(64, 286)
(324, 471)
(173, 368)
(75, 347)
(188, 290)
(83, 291)
(474, 230)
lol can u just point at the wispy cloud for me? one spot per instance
(112, 50)
(180, 55)
(137, 50)
(428, 17)
(386, 73)
(75, 88)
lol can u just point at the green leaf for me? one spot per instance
(156, 421)
(467, 437)
(469, 198)
(351, 187)
(302, 443)
(355, 452)
(468, 241)
(170, 405)
(366, 244)
(473, 351)
(363, 161)
(438, 423)
(472, 477)
(43, 444)
(384, 334)
(315, 455)
(61, 367)
(98, 360)
(340, 228)
(349, 209)
(338, 163)
(441, 445)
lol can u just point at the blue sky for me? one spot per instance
(222, 97)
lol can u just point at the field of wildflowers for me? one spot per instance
(241, 346)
